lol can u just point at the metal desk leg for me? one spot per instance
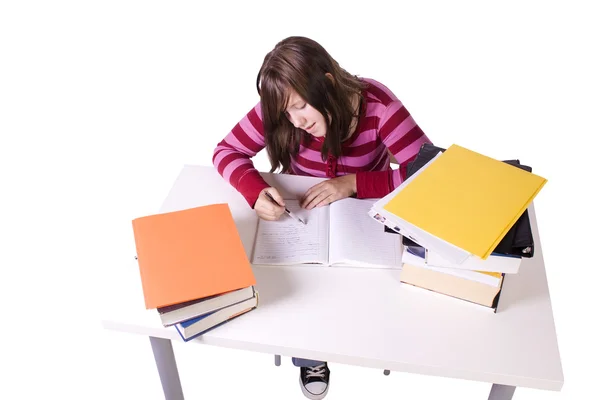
(501, 392)
(277, 360)
(167, 368)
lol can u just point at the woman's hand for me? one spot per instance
(265, 208)
(329, 191)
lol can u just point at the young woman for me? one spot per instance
(316, 119)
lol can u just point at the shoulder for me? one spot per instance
(377, 93)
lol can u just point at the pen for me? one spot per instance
(288, 212)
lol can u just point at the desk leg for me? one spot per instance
(167, 368)
(501, 392)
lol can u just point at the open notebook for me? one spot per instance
(341, 234)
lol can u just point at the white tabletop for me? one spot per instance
(363, 316)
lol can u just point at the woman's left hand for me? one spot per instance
(327, 192)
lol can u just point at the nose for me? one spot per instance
(297, 119)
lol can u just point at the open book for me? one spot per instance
(341, 234)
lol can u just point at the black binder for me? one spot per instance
(518, 240)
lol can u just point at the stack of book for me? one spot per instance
(464, 222)
(193, 268)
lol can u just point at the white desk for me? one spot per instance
(365, 316)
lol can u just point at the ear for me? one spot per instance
(327, 74)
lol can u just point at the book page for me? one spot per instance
(356, 239)
(287, 241)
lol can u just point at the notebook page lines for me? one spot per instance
(357, 238)
(286, 241)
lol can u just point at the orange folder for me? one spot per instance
(190, 254)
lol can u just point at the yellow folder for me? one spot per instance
(467, 199)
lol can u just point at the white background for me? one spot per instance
(102, 103)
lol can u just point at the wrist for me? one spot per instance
(352, 183)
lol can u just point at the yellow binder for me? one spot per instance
(467, 199)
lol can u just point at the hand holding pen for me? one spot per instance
(265, 210)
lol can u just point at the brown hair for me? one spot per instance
(301, 64)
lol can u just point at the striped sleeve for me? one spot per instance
(403, 138)
(232, 156)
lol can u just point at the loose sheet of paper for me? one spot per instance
(357, 239)
(286, 241)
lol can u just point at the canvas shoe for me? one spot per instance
(314, 381)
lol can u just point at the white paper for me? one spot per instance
(357, 240)
(287, 241)
(449, 251)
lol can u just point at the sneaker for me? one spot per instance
(314, 381)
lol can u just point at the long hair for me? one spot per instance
(301, 64)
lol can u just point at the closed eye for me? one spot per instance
(297, 107)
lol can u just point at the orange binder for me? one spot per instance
(190, 254)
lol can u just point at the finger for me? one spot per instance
(275, 194)
(267, 217)
(326, 201)
(310, 193)
(268, 212)
(263, 205)
(317, 199)
(308, 199)
(271, 213)
(279, 212)
(265, 208)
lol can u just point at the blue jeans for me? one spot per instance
(303, 362)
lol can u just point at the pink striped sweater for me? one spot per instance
(385, 125)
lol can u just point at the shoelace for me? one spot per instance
(316, 372)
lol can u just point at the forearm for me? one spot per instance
(232, 156)
(250, 186)
(239, 171)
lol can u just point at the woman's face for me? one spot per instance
(302, 115)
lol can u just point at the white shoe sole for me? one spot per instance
(311, 395)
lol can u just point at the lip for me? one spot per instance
(310, 127)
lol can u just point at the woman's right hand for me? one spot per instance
(265, 208)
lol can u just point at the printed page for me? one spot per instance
(287, 241)
(356, 239)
